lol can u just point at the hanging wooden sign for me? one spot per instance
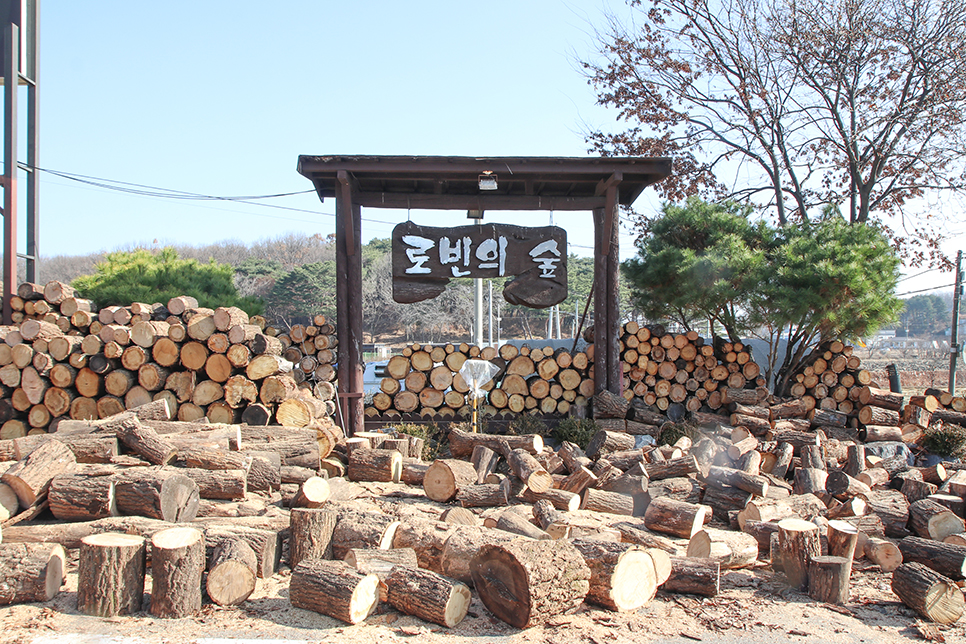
(424, 259)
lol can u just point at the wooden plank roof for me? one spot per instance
(523, 183)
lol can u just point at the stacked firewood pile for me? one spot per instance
(681, 370)
(175, 486)
(505, 517)
(674, 373)
(831, 379)
(426, 380)
(66, 361)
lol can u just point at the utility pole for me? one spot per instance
(954, 333)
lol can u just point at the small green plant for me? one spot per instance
(429, 432)
(527, 424)
(575, 430)
(672, 432)
(945, 440)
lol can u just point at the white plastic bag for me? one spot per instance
(476, 373)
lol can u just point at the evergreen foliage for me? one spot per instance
(700, 261)
(803, 283)
(924, 314)
(145, 276)
(305, 291)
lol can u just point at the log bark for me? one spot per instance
(146, 442)
(933, 521)
(728, 548)
(31, 572)
(622, 576)
(310, 534)
(525, 583)
(526, 468)
(694, 576)
(231, 572)
(375, 465)
(428, 596)
(947, 559)
(462, 443)
(177, 564)
(332, 588)
(30, 477)
(110, 574)
(798, 542)
(935, 597)
(74, 497)
(893, 508)
(158, 494)
(679, 518)
(362, 530)
(428, 540)
(828, 579)
(445, 477)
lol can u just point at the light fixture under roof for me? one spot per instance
(487, 181)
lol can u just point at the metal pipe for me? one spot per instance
(954, 332)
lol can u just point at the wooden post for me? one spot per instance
(607, 366)
(348, 259)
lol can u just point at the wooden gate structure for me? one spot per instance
(596, 184)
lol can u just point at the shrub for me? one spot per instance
(945, 440)
(575, 430)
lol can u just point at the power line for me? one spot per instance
(143, 190)
(923, 290)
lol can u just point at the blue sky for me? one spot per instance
(220, 98)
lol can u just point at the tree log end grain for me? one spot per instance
(31, 572)
(428, 595)
(177, 564)
(110, 574)
(525, 582)
(231, 572)
(444, 478)
(623, 577)
(332, 588)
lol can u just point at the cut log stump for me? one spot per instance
(110, 574)
(177, 564)
(310, 534)
(231, 572)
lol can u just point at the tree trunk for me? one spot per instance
(31, 572)
(177, 563)
(828, 579)
(446, 477)
(375, 465)
(231, 572)
(428, 596)
(331, 588)
(932, 520)
(30, 477)
(525, 583)
(76, 497)
(110, 574)
(670, 516)
(362, 530)
(622, 576)
(310, 534)
(159, 494)
(945, 558)
(798, 543)
(694, 576)
(935, 597)
(730, 549)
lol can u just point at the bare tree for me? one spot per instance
(794, 104)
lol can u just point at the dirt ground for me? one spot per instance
(754, 605)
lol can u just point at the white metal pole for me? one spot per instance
(490, 324)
